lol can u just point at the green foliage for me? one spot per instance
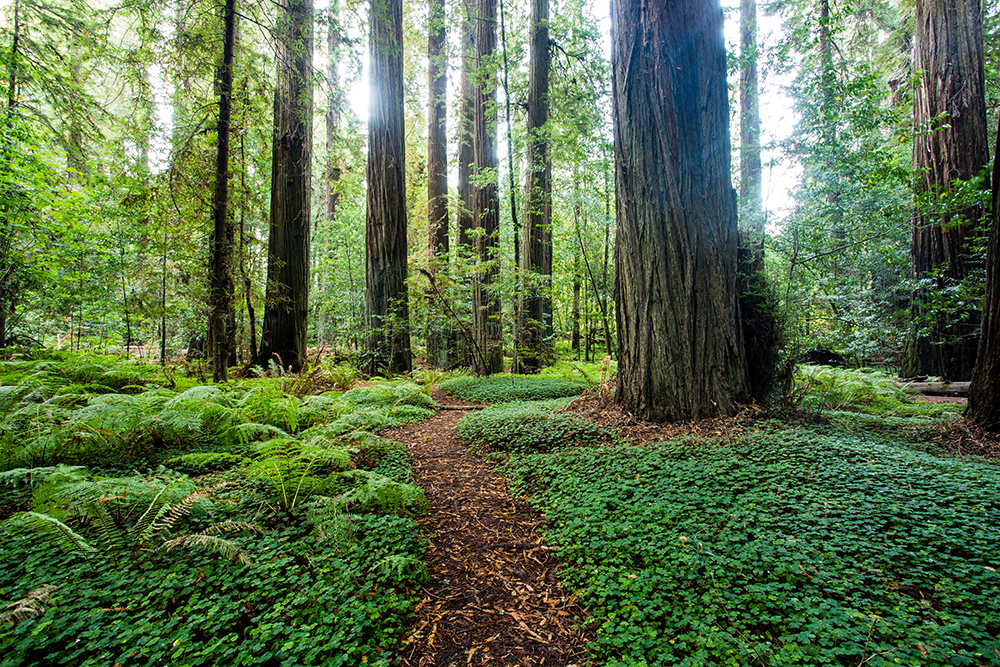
(865, 389)
(137, 557)
(503, 388)
(199, 463)
(528, 426)
(778, 546)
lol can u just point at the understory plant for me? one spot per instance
(528, 426)
(776, 545)
(503, 388)
(197, 527)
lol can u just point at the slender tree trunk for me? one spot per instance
(488, 357)
(680, 348)
(332, 113)
(386, 298)
(466, 129)
(984, 393)
(221, 278)
(751, 202)
(286, 311)
(536, 259)
(949, 143)
(7, 267)
(441, 337)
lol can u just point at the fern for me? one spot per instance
(57, 532)
(27, 606)
(400, 568)
(209, 539)
(383, 492)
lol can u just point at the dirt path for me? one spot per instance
(493, 597)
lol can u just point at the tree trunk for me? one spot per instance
(221, 278)
(680, 348)
(386, 297)
(332, 113)
(536, 258)
(984, 392)
(286, 313)
(466, 130)
(949, 143)
(488, 356)
(751, 203)
(441, 337)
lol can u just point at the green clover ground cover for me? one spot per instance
(786, 546)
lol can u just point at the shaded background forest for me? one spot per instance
(109, 165)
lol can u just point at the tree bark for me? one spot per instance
(466, 130)
(488, 356)
(221, 278)
(386, 298)
(984, 392)
(286, 310)
(536, 258)
(950, 142)
(751, 201)
(332, 113)
(680, 348)
(441, 336)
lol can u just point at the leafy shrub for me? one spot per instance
(528, 426)
(505, 388)
(781, 547)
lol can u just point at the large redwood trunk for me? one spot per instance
(387, 309)
(221, 278)
(984, 393)
(680, 347)
(286, 311)
(949, 143)
(536, 260)
(488, 352)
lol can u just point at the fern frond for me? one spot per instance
(174, 513)
(27, 606)
(213, 543)
(40, 474)
(58, 533)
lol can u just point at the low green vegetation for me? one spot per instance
(506, 388)
(528, 426)
(836, 541)
(234, 524)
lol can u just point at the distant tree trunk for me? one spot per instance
(949, 143)
(680, 348)
(386, 298)
(332, 113)
(984, 393)
(441, 337)
(751, 202)
(221, 277)
(7, 267)
(488, 356)
(466, 130)
(536, 258)
(286, 310)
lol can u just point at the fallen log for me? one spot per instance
(937, 388)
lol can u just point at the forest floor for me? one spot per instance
(493, 596)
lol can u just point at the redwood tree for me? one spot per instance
(536, 260)
(221, 278)
(984, 393)
(949, 143)
(286, 311)
(386, 297)
(680, 347)
(466, 128)
(488, 353)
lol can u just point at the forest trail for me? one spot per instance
(493, 597)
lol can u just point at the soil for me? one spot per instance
(493, 596)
